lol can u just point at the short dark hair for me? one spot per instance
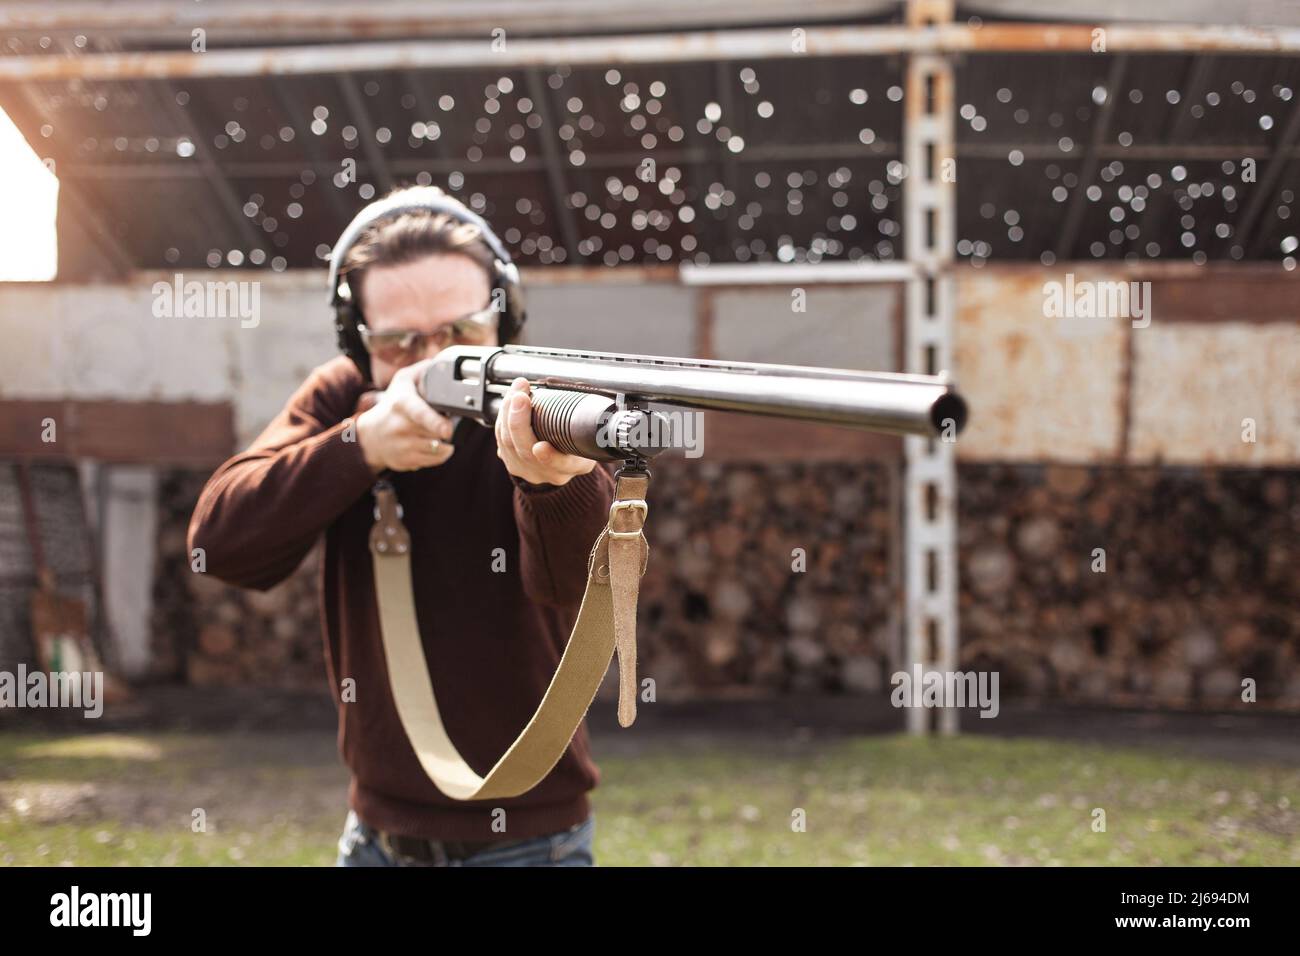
(410, 236)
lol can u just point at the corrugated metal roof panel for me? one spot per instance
(776, 158)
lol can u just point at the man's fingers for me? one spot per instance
(524, 455)
(419, 453)
(509, 445)
(505, 441)
(520, 425)
(415, 410)
(556, 460)
(405, 395)
(368, 400)
(440, 454)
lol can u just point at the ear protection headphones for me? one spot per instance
(347, 312)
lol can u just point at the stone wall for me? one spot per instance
(1199, 589)
(206, 632)
(721, 606)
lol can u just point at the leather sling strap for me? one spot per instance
(606, 623)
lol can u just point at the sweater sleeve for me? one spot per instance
(264, 509)
(558, 524)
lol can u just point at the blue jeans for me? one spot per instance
(359, 846)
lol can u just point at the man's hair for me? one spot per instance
(410, 236)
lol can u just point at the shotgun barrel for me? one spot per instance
(590, 401)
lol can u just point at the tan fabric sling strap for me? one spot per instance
(606, 622)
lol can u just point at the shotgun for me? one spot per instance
(600, 405)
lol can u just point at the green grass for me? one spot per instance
(280, 800)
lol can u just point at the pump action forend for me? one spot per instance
(595, 404)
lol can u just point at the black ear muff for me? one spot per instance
(512, 294)
(347, 317)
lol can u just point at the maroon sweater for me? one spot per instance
(492, 639)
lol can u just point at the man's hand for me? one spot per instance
(401, 431)
(538, 462)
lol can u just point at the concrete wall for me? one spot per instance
(1217, 350)
(105, 342)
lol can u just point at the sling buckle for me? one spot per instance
(624, 505)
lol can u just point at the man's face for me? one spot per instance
(420, 296)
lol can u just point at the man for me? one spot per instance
(501, 526)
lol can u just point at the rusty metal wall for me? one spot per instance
(1180, 385)
(1200, 390)
(1038, 391)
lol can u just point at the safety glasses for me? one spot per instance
(397, 344)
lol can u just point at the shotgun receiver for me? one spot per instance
(599, 404)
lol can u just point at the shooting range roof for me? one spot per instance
(1065, 156)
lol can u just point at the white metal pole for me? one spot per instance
(930, 481)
